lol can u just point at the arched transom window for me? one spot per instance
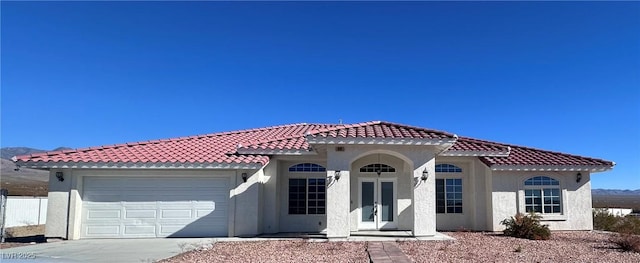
(307, 167)
(447, 168)
(542, 195)
(375, 167)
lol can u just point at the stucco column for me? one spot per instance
(58, 205)
(247, 203)
(338, 205)
(424, 203)
(271, 207)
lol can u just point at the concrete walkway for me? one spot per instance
(103, 250)
(386, 252)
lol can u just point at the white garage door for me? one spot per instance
(127, 207)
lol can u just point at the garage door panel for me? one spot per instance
(140, 213)
(102, 230)
(103, 214)
(127, 207)
(146, 230)
(98, 183)
(176, 214)
(103, 196)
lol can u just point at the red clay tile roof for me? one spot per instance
(288, 143)
(380, 129)
(209, 148)
(227, 147)
(475, 145)
(520, 155)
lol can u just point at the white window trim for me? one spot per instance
(306, 196)
(562, 216)
(465, 168)
(445, 193)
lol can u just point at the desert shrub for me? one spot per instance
(526, 226)
(627, 228)
(628, 236)
(627, 242)
(603, 220)
(628, 225)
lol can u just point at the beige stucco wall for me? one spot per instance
(508, 199)
(475, 196)
(465, 219)
(270, 205)
(297, 223)
(418, 158)
(246, 199)
(58, 204)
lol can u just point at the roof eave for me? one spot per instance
(136, 165)
(552, 168)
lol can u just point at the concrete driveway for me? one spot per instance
(103, 250)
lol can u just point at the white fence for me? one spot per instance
(616, 211)
(24, 211)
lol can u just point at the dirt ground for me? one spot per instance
(23, 235)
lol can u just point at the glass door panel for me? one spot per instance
(377, 203)
(368, 203)
(386, 202)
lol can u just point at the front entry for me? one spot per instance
(377, 202)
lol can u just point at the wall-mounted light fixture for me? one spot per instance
(578, 177)
(336, 175)
(244, 177)
(60, 176)
(425, 175)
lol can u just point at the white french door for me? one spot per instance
(377, 202)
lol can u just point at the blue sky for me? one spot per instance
(561, 76)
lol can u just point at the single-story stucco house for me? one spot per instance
(333, 179)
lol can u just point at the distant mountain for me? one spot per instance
(9, 152)
(614, 198)
(614, 192)
(23, 181)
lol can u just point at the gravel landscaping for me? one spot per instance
(468, 247)
(277, 251)
(489, 247)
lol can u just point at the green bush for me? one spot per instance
(526, 226)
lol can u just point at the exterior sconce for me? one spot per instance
(244, 177)
(337, 175)
(425, 175)
(60, 176)
(578, 177)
